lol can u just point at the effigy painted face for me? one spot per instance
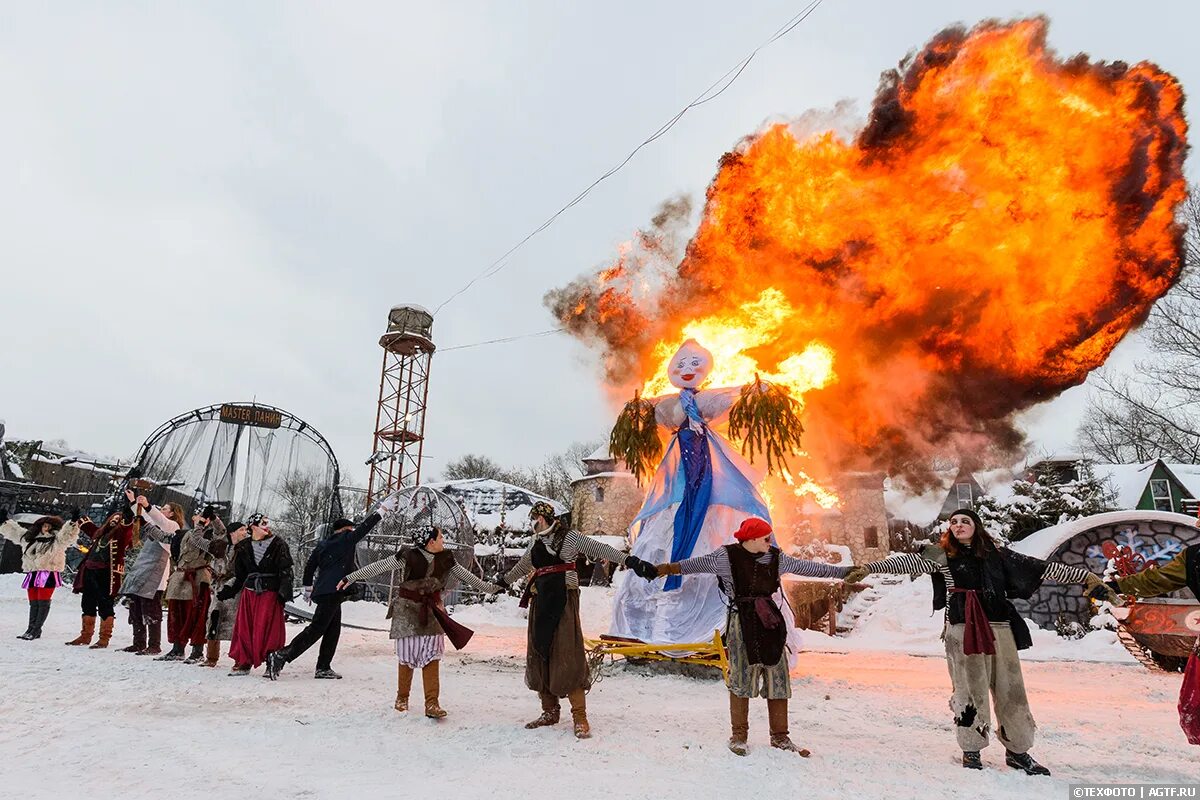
(690, 365)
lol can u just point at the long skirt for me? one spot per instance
(754, 680)
(974, 677)
(259, 627)
(566, 670)
(419, 652)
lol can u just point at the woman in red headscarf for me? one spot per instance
(748, 573)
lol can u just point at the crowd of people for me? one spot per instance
(230, 581)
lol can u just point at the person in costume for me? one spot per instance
(983, 631)
(222, 613)
(189, 587)
(146, 580)
(748, 574)
(98, 579)
(263, 573)
(43, 558)
(555, 663)
(1181, 572)
(324, 570)
(700, 493)
(420, 623)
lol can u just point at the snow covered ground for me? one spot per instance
(109, 724)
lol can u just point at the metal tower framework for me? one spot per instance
(403, 394)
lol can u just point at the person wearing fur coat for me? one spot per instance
(222, 613)
(43, 558)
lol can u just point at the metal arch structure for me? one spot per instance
(287, 421)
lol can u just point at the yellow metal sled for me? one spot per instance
(706, 654)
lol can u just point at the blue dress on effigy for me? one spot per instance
(699, 495)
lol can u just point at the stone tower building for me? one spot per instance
(606, 498)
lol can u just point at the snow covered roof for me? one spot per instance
(1188, 475)
(918, 508)
(491, 502)
(603, 475)
(599, 454)
(1127, 481)
(1043, 543)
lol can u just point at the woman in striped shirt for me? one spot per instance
(983, 630)
(419, 620)
(555, 665)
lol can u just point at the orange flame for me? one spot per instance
(1000, 223)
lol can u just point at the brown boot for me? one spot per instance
(579, 714)
(777, 715)
(431, 679)
(212, 653)
(153, 639)
(739, 724)
(404, 676)
(85, 632)
(106, 626)
(139, 639)
(550, 712)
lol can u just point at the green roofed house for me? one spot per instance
(1153, 486)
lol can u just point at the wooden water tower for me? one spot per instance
(403, 393)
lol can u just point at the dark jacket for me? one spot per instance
(273, 574)
(333, 559)
(999, 576)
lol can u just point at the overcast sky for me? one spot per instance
(220, 201)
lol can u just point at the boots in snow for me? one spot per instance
(404, 676)
(1024, 761)
(326, 674)
(43, 611)
(579, 714)
(174, 654)
(139, 639)
(276, 660)
(86, 630)
(196, 656)
(33, 615)
(777, 716)
(550, 713)
(739, 724)
(212, 653)
(971, 759)
(106, 626)
(240, 670)
(153, 640)
(432, 683)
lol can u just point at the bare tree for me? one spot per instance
(305, 501)
(1155, 412)
(473, 465)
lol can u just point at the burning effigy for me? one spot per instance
(995, 227)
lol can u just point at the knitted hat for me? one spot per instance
(257, 518)
(752, 528)
(340, 523)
